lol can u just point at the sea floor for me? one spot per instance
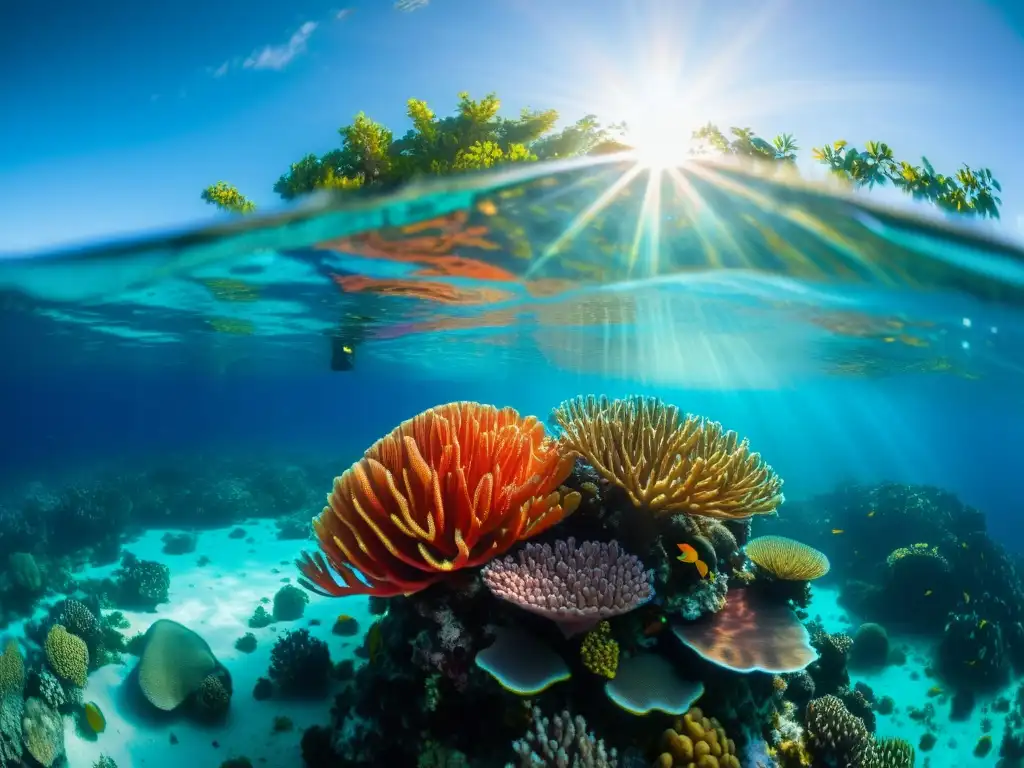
(217, 599)
(909, 685)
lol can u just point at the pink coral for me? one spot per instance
(576, 587)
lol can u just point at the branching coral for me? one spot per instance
(448, 489)
(562, 741)
(668, 463)
(836, 734)
(787, 559)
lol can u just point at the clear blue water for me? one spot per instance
(848, 342)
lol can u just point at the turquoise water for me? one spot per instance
(216, 380)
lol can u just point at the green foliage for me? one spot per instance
(226, 197)
(476, 137)
(969, 191)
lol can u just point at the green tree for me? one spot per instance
(476, 137)
(226, 197)
(968, 191)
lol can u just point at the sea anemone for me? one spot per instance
(451, 488)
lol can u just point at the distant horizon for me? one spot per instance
(121, 125)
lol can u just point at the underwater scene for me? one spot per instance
(590, 436)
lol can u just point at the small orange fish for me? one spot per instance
(837, 531)
(928, 593)
(689, 554)
(654, 627)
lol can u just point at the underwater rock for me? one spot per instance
(179, 543)
(300, 664)
(289, 603)
(870, 649)
(142, 584)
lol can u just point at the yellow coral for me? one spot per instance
(916, 550)
(599, 652)
(668, 463)
(12, 668)
(787, 559)
(792, 754)
(68, 655)
(697, 742)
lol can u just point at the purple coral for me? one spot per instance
(576, 587)
(560, 742)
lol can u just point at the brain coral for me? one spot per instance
(787, 559)
(174, 663)
(668, 463)
(43, 732)
(12, 668)
(68, 655)
(696, 741)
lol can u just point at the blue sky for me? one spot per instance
(117, 114)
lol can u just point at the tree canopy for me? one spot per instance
(477, 137)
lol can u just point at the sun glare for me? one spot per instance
(658, 125)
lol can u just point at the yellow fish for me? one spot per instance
(837, 531)
(982, 623)
(928, 593)
(972, 662)
(964, 545)
(373, 641)
(95, 718)
(967, 598)
(871, 513)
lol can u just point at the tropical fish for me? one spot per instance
(871, 513)
(982, 623)
(837, 531)
(689, 555)
(654, 627)
(95, 718)
(967, 598)
(928, 593)
(964, 545)
(972, 662)
(374, 641)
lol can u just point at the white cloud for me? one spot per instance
(279, 56)
(343, 14)
(221, 70)
(407, 6)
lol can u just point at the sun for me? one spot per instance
(658, 125)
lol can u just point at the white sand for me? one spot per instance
(216, 601)
(956, 740)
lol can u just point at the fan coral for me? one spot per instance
(599, 652)
(68, 655)
(697, 740)
(668, 463)
(835, 733)
(173, 664)
(573, 586)
(787, 559)
(451, 488)
(562, 741)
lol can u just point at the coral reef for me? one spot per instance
(142, 584)
(300, 664)
(562, 740)
(174, 663)
(696, 740)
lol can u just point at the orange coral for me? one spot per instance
(450, 488)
